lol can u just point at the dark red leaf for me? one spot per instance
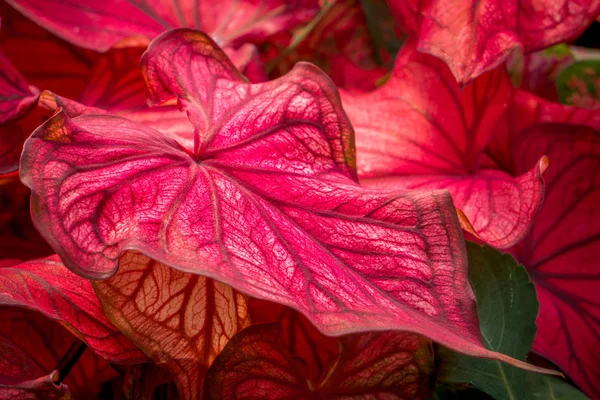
(256, 364)
(18, 237)
(43, 388)
(44, 60)
(421, 131)
(263, 201)
(37, 344)
(181, 321)
(301, 337)
(525, 110)
(100, 25)
(561, 252)
(473, 37)
(49, 288)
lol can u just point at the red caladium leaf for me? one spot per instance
(257, 364)
(140, 381)
(180, 320)
(561, 250)
(421, 131)
(44, 60)
(525, 110)
(17, 99)
(476, 36)
(43, 388)
(101, 25)
(301, 337)
(18, 237)
(49, 288)
(32, 346)
(263, 201)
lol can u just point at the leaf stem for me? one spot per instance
(68, 361)
(300, 36)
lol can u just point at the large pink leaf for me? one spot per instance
(101, 24)
(473, 37)
(264, 201)
(180, 320)
(561, 252)
(32, 347)
(256, 364)
(49, 288)
(421, 131)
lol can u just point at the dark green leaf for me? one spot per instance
(579, 84)
(383, 29)
(507, 308)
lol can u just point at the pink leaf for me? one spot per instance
(49, 288)
(561, 250)
(256, 364)
(43, 388)
(266, 201)
(100, 25)
(473, 37)
(421, 131)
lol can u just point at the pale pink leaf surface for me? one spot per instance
(99, 25)
(46, 286)
(264, 202)
(561, 252)
(473, 37)
(180, 320)
(257, 364)
(421, 131)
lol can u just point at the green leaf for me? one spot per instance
(579, 84)
(507, 306)
(382, 29)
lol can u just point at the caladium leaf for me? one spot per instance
(43, 388)
(474, 37)
(263, 202)
(18, 237)
(257, 364)
(525, 110)
(180, 320)
(32, 346)
(420, 131)
(564, 266)
(45, 61)
(100, 25)
(141, 381)
(17, 99)
(49, 288)
(301, 337)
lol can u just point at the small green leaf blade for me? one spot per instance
(507, 306)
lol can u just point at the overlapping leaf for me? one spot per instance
(100, 25)
(265, 201)
(420, 131)
(561, 250)
(300, 336)
(256, 364)
(49, 288)
(526, 110)
(473, 37)
(32, 347)
(181, 321)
